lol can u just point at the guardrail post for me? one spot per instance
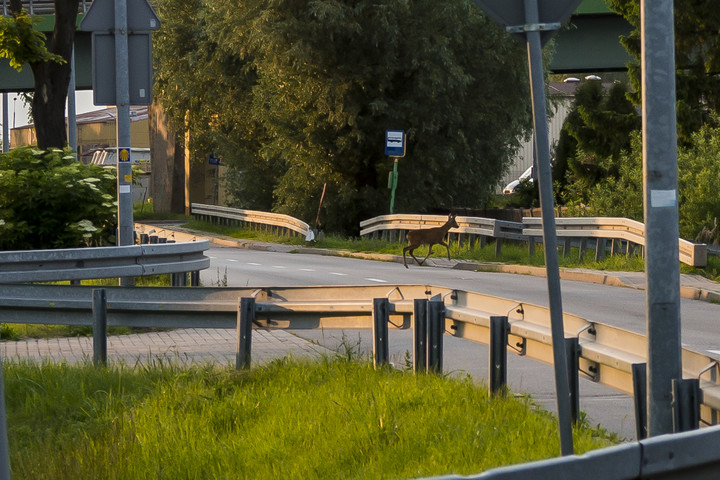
(245, 319)
(420, 334)
(498, 247)
(686, 404)
(436, 329)
(498, 355)
(381, 316)
(600, 246)
(195, 278)
(531, 246)
(572, 350)
(639, 379)
(99, 311)
(179, 279)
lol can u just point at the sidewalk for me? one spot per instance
(185, 347)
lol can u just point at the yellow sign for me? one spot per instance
(124, 154)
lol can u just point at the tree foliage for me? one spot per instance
(697, 59)
(50, 200)
(49, 62)
(698, 184)
(594, 135)
(296, 94)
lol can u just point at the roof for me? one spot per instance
(104, 115)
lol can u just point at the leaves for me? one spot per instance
(20, 43)
(49, 200)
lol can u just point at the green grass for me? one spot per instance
(326, 419)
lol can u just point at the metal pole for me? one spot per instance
(122, 123)
(420, 334)
(99, 311)
(662, 265)
(537, 86)
(393, 186)
(381, 315)
(71, 106)
(5, 124)
(4, 450)
(245, 319)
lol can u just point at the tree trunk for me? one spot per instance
(52, 79)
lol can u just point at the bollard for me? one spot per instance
(381, 316)
(245, 319)
(686, 404)
(498, 355)
(420, 334)
(99, 312)
(436, 329)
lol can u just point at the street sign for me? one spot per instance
(141, 20)
(101, 17)
(139, 68)
(124, 154)
(395, 143)
(511, 14)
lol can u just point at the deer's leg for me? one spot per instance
(428, 254)
(405, 250)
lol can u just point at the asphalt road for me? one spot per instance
(617, 306)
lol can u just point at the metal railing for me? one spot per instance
(680, 456)
(103, 262)
(623, 234)
(43, 7)
(275, 222)
(606, 355)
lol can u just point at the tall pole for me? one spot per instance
(5, 124)
(542, 144)
(393, 185)
(662, 267)
(122, 122)
(71, 106)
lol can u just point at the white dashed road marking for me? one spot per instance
(378, 280)
(339, 274)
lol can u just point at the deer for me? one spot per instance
(429, 237)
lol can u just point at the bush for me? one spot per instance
(50, 200)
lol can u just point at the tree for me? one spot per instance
(299, 94)
(697, 60)
(594, 135)
(50, 65)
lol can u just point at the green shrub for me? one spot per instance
(50, 200)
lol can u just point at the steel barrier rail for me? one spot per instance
(602, 228)
(606, 354)
(102, 262)
(680, 456)
(273, 220)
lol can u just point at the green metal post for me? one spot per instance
(393, 186)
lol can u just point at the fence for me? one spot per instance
(606, 355)
(623, 234)
(276, 223)
(105, 262)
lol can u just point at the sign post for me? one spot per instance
(534, 22)
(660, 180)
(394, 148)
(115, 26)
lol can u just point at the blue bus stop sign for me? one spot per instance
(395, 143)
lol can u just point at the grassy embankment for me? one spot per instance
(332, 418)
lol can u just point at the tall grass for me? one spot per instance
(333, 418)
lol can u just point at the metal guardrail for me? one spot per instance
(603, 228)
(278, 223)
(571, 229)
(102, 262)
(605, 355)
(680, 456)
